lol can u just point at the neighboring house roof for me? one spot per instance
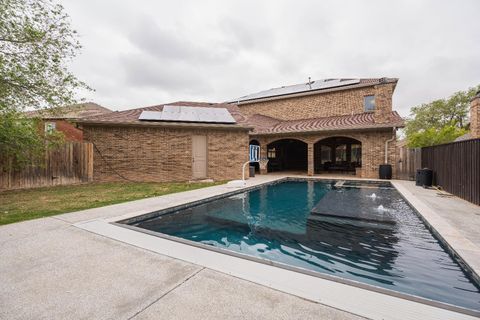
(311, 87)
(466, 136)
(130, 117)
(267, 125)
(77, 111)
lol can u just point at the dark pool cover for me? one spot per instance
(353, 204)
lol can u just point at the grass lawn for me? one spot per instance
(19, 205)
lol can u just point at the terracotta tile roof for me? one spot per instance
(81, 110)
(262, 123)
(268, 125)
(131, 116)
(312, 87)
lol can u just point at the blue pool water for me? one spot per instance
(275, 222)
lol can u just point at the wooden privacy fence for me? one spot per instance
(70, 163)
(409, 161)
(456, 168)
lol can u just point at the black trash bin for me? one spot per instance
(385, 171)
(424, 177)
(419, 177)
(252, 171)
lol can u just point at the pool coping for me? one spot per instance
(194, 246)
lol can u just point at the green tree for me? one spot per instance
(36, 45)
(433, 136)
(439, 121)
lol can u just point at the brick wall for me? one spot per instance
(475, 116)
(327, 104)
(383, 102)
(163, 154)
(373, 148)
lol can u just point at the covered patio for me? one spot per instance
(287, 155)
(317, 154)
(339, 145)
(337, 155)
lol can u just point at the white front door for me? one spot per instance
(199, 157)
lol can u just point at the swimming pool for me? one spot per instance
(386, 245)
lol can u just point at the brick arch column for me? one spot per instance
(263, 150)
(310, 157)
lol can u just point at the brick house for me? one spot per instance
(332, 125)
(63, 119)
(126, 147)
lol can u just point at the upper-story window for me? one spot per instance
(369, 103)
(50, 127)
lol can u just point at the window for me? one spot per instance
(49, 127)
(271, 153)
(369, 103)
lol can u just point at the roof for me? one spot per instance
(311, 87)
(130, 117)
(466, 136)
(267, 125)
(77, 111)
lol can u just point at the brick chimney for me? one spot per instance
(383, 101)
(475, 116)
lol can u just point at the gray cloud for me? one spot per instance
(149, 52)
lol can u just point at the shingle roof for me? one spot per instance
(312, 87)
(267, 125)
(466, 136)
(77, 111)
(131, 116)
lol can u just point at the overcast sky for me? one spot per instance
(140, 53)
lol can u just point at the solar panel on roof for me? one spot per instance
(303, 87)
(189, 114)
(150, 115)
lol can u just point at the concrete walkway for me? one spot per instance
(460, 214)
(50, 269)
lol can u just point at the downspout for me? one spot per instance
(387, 142)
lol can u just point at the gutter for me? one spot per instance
(387, 142)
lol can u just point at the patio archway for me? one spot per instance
(287, 155)
(337, 154)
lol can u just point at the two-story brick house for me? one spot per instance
(332, 125)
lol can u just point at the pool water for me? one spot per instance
(275, 222)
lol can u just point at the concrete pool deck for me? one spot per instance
(55, 268)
